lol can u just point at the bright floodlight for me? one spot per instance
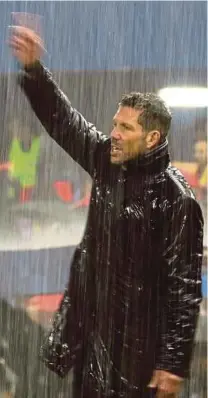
(185, 97)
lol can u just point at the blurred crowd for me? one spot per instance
(33, 169)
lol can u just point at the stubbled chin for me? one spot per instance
(116, 159)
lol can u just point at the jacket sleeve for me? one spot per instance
(182, 256)
(64, 124)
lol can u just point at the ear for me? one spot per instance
(153, 139)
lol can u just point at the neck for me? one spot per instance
(152, 161)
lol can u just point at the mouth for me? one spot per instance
(115, 149)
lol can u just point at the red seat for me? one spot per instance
(64, 190)
(191, 178)
(44, 303)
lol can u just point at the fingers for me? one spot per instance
(25, 37)
(163, 394)
(167, 385)
(17, 43)
(165, 389)
(24, 33)
(21, 49)
(154, 381)
(26, 45)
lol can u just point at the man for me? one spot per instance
(128, 317)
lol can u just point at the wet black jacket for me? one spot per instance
(134, 292)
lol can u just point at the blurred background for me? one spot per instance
(97, 51)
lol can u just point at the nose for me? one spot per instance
(115, 134)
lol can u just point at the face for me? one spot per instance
(128, 140)
(200, 152)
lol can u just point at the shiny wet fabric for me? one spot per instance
(132, 301)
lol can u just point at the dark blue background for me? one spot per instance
(34, 272)
(99, 35)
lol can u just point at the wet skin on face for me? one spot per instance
(128, 139)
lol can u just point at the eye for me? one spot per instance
(126, 127)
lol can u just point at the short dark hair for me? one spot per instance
(155, 116)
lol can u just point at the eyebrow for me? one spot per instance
(124, 124)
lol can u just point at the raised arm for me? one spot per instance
(65, 125)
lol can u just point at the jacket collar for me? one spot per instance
(153, 162)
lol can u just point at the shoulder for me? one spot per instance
(170, 187)
(99, 137)
(182, 193)
(178, 185)
(176, 196)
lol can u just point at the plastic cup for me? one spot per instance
(30, 21)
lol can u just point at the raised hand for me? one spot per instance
(26, 45)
